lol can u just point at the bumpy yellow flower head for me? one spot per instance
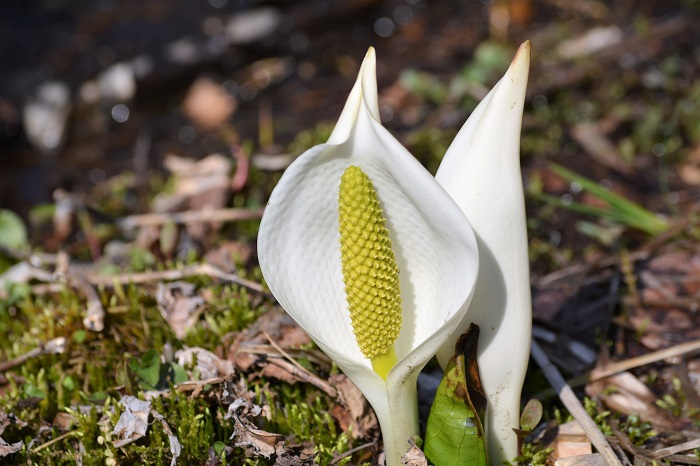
(370, 272)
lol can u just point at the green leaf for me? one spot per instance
(177, 374)
(32, 391)
(532, 415)
(68, 383)
(455, 433)
(13, 233)
(147, 369)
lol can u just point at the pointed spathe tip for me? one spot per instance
(368, 80)
(523, 51)
(368, 70)
(520, 66)
(521, 61)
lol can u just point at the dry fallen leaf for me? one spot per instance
(281, 328)
(690, 170)
(414, 456)
(133, 422)
(228, 254)
(626, 394)
(208, 364)
(6, 420)
(353, 412)
(179, 306)
(254, 441)
(257, 442)
(199, 185)
(9, 448)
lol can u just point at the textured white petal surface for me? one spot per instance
(298, 248)
(481, 171)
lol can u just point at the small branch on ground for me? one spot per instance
(176, 274)
(337, 458)
(55, 346)
(190, 216)
(572, 403)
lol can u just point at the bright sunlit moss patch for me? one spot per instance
(95, 365)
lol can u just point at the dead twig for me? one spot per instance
(190, 216)
(337, 458)
(572, 403)
(177, 274)
(681, 447)
(197, 385)
(54, 440)
(621, 366)
(55, 346)
(314, 356)
(95, 315)
(641, 456)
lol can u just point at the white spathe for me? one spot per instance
(436, 251)
(481, 171)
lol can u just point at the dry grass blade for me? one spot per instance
(567, 396)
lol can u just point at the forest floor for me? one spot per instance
(132, 187)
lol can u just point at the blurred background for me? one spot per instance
(90, 90)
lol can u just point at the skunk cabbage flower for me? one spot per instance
(370, 255)
(481, 171)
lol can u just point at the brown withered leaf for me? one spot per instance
(257, 442)
(228, 254)
(248, 345)
(669, 288)
(353, 411)
(414, 456)
(208, 365)
(690, 170)
(133, 422)
(9, 448)
(195, 178)
(626, 394)
(63, 421)
(6, 420)
(179, 306)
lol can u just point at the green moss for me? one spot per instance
(429, 145)
(309, 138)
(98, 368)
(300, 410)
